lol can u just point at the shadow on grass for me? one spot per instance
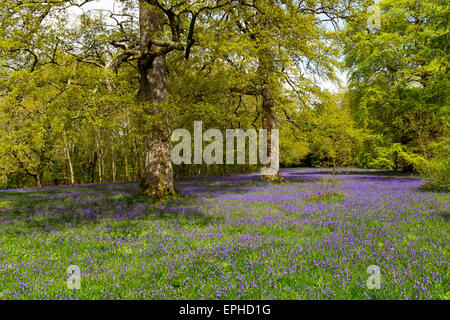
(351, 171)
(56, 208)
(356, 174)
(64, 207)
(53, 214)
(444, 215)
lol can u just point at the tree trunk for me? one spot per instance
(268, 113)
(39, 179)
(157, 177)
(127, 178)
(113, 168)
(69, 160)
(101, 163)
(100, 174)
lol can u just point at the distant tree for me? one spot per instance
(334, 136)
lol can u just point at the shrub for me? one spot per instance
(437, 170)
(437, 173)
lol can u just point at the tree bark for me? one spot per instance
(113, 165)
(39, 179)
(101, 162)
(127, 178)
(157, 177)
(268, 112)
(69, 160)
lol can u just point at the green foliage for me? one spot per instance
(399, 82)
(438, 174)
(292, 149)
(334, 136)
(68, 86)
(437, 169)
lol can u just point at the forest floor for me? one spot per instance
(229, 237)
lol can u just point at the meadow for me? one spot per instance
(229, 237)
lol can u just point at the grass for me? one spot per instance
(228, 238)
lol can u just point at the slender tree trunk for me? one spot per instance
(69, 160)
(157, 178)
(127, 178)
(101, 163)
(113, 167)
(100, 175)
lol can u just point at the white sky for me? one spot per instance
(97, 4)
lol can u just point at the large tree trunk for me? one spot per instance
(156, 180)
(268, 113)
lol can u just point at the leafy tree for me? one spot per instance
(334, 136)
(278, 44)
(399, 79)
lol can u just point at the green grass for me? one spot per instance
(289, 241)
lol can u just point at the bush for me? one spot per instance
(394, 156)
(437, 173)
(437, 170)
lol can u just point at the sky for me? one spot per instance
(97, 4)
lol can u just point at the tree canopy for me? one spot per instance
(95, 97)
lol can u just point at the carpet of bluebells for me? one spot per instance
(229, 237)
